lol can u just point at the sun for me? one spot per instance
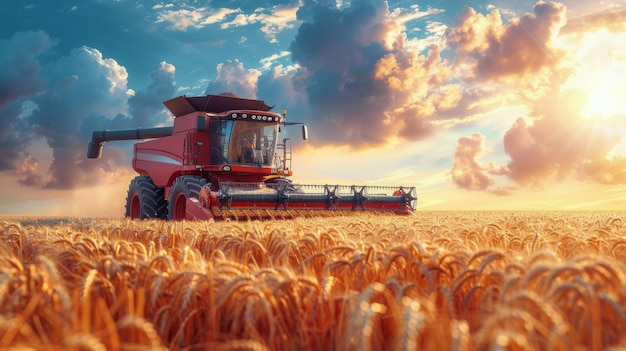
(605, 99)
(600, 67)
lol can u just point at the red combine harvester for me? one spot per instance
(222, 159)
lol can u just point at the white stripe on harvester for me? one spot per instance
(143, 156)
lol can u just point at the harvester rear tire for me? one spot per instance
(145, 200)
(184, 187)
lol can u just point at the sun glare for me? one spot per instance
(603, 100)
(602, 64)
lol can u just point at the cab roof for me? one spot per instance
(183, 105)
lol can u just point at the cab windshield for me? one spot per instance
(240, 141)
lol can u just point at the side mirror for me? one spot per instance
(305, 133)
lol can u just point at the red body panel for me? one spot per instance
(158, 159)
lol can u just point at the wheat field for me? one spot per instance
(430, 281)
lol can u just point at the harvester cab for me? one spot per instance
(224, 158)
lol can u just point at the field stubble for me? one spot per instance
(432, 281)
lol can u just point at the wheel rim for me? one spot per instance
(135, 207)
(180, 207)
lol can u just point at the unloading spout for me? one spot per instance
(94, 150)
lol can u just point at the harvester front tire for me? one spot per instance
(145, 200)
(184, 187)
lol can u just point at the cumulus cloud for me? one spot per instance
(81, 84)
(467, 171)
(363, 85)
(558, 144)
(62, 103)
(475, 31)
(233, 77)
(145, 108)
(497, 52)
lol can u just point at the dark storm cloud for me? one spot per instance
(19, 68)
(80, 84)
(339, 61)
(63, 102)
(277, 88)
(348, 69)
(85, 90)
(14, 136)
(146, 106)
(19, 80)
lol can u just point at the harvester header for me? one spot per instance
(224, 158)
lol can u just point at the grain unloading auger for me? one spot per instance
(222, 159)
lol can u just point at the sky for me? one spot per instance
(481, 105)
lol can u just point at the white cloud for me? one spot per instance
(116, 75)
(279, 19)
(404, 15)
(182, 19)
(160, 6)
(267, 62)
(219, 15)
(437, 36)
(398, 19)
(233, 77)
